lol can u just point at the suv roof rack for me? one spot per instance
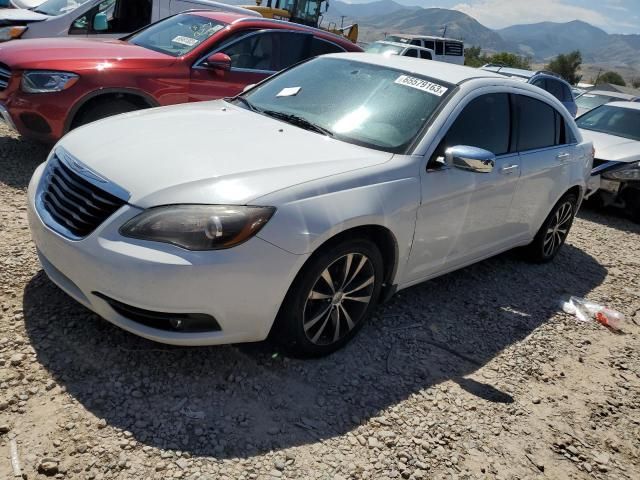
(548, 72)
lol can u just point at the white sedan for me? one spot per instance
(302, 203)
(614, 129)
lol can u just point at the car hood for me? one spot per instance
(209, 152)
(612, 148)
(9, 16)
(74, 53)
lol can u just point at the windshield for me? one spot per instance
(58, 7)
(369, 105)
(618, 121)
(177, 36)
(590, 101)
(383, 48)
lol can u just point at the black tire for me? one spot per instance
(632, 201)
(553, 232)
(103, 109)
(310, 297)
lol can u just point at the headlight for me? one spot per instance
(626, 173)
(9, 33)
(198, 227)
(37, 81)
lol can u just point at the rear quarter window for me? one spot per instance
(323, 47)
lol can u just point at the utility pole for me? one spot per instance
(444, 34)
(598, 77)
(342, 17)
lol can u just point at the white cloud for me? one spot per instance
(503, 13)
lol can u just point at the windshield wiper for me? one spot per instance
(299, 122)
(249, 105)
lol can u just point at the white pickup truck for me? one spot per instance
(94, 18)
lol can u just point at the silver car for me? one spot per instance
(298, 206)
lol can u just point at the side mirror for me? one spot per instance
(248, 87)
(219, 61)
(100, 23)
(470, 158)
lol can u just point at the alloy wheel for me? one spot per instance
(339, 299)
(558, 229)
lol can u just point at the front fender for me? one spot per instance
(302, 225)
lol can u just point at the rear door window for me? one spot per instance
(536, 124)
(439, 47)
(412, 52)
(426, 55)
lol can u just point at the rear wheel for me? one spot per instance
(554, 231)
(103, 109)
(331, 298)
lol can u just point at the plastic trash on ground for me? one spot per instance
(587, 311)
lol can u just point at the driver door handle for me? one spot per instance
(509, 169)
(563, 156)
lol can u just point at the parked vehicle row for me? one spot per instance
(97, 18)
(48, 87)
(297, 206)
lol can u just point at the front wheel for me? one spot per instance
(554, 231)
(331, 298)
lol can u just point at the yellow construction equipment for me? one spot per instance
(305, 12)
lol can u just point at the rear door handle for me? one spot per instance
(563, 156)
(509, 169)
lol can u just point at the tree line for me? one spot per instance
(566, 65)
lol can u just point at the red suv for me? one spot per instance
(50, 86)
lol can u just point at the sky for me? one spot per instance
(613, 16)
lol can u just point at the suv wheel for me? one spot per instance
(554, 231)
(104, 109)
(331, 298)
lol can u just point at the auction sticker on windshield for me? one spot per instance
(189, 42)
(420, 84)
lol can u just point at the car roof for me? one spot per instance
(240, 18)
(447, 72)
(506, 71)
(629, 105)
(607, 93)
(403, 45)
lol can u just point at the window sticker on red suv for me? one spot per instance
(420, 84)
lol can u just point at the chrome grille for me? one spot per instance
(5, 75)
(76, 205)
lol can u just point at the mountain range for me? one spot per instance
(540, 41)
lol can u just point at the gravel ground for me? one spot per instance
(473, 375)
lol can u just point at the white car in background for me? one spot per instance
(399, 49)
(614, 129)
(96, 18)
(594, 98)
(363, 175)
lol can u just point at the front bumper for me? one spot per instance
(242, 287)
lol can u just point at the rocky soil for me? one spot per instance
(474, 375)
